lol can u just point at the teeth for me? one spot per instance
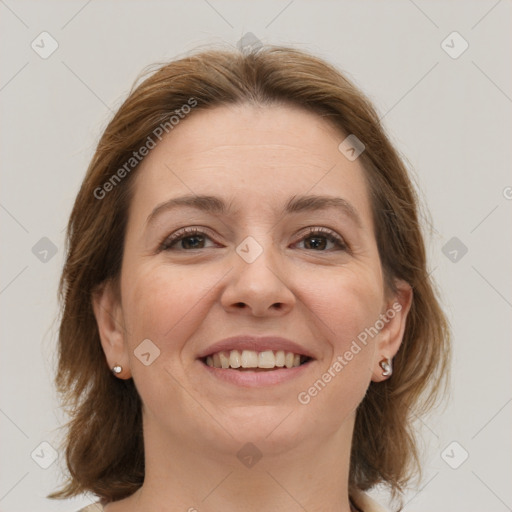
(266, 359)
(253, 359)
(234, 359)
(249, 359)
(224, 359)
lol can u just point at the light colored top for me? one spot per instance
(367, 504)
(361, 499)
(95, 507)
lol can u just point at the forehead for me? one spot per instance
(277, 128)
(259, 155)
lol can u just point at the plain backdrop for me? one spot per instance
(449, 114)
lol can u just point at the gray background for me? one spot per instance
(451, 118)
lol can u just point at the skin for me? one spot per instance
(184, 299)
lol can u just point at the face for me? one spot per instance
(269, 264)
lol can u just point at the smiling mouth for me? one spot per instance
(250, 360)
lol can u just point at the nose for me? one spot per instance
(258, 287)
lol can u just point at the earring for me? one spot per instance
(386, 366)
(117, 369)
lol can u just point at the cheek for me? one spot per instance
(163, 304)
(349, 309)
(166, 307)
(347, 302)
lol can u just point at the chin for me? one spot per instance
(272, 426)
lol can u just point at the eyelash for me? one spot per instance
(185, 233)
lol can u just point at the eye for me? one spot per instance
(318, 238)
(190, 238)
(194, 238)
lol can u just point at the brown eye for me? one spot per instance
(190, 238)
(318, 239)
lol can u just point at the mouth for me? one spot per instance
(255, 361)
(250, 361)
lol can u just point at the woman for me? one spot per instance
(248, 320)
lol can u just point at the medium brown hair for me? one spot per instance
(104, 444)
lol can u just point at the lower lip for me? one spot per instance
(252, 379)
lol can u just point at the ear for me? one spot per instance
(394, 318)
(109, 317)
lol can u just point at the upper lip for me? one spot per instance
(257, 343)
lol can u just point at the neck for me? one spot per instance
(190, 475)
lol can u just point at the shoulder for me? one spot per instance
(367, 504)
(94, 507)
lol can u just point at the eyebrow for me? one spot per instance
(296, 204)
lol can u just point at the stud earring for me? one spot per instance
(386, 366)
(117, 369)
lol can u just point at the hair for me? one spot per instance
(104, 443)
